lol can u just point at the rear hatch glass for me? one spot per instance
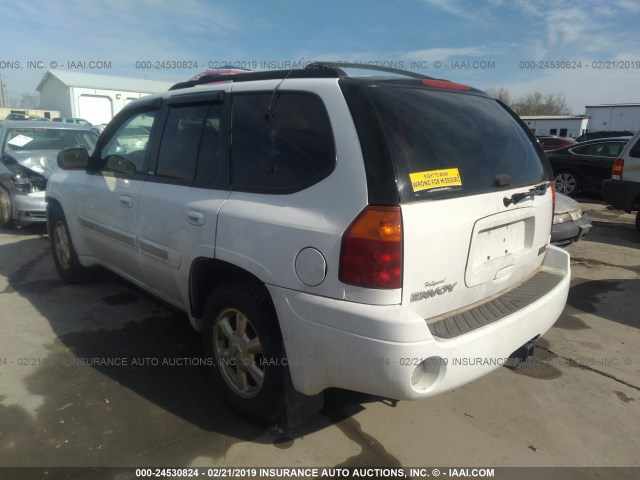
(450, 144)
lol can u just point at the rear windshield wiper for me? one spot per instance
(518, 197)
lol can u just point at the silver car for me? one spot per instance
(570, 221)
(28, 152)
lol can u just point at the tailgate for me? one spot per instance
(463, 250)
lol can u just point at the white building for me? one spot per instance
(616, 116)
(96, 98)
(562, 125)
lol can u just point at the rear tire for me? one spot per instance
(638, 221)
(6, 209)
(64, 253)
(241, 336)
(568, 183)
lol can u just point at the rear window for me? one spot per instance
(446, 144)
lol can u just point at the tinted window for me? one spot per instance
(635, 151)
(450, 144)
(211, 168)
(126, 149)
(180, 140)
(605, 149)
(285, 151)
(190, 148)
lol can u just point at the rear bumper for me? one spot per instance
(389, 350)
(620, 193)
(30, 208)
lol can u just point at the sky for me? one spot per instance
(588, 50)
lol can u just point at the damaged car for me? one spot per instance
(28, 153)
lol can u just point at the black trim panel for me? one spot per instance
(380, 173)
(123, 237)
(497, 308)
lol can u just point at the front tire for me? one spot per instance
(64, 253)
(638, 221)
(568, 183)
(241, 336)
(6, 209)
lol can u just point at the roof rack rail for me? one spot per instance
(365, 66)
(262, 75)
(312, 70)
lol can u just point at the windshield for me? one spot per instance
(446, 144)
(22, 139)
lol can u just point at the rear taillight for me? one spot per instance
(553, 211)
(616, 172)
(371, 253)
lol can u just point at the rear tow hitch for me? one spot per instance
(517, 358)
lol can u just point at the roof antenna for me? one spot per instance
(272, 105)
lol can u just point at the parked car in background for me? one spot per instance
(98, 129)
(77, 121)
(584, 166)
(28, 152)
(23, 116)
(604, 134)
(570, 221)
(552, 142)
(353, 222)
(622, 190)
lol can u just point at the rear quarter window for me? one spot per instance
(446, 144)
(281, 143)
(635, 150)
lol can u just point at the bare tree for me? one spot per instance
(535, 103)
(501, 93)
(26, 100)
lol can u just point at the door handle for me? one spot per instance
(126, 201)
(196, 218)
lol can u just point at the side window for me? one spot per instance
(281, 143)
(211, 169)
(614, 149)
(611, 149)
(635, 151)
(597, 149)
(126, 150)
(190, 146)
(180, 140)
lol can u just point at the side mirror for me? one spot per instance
(73, 158)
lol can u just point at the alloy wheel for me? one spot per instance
(566, 183)
(238, 353)
(62, 245)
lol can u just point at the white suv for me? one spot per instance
(622, 190)
(387, 234)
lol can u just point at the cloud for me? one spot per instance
(452, 7)
(629, 5)
(433, 54)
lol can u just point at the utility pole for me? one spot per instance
(3, 93)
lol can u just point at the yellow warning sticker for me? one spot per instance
(449, 177)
